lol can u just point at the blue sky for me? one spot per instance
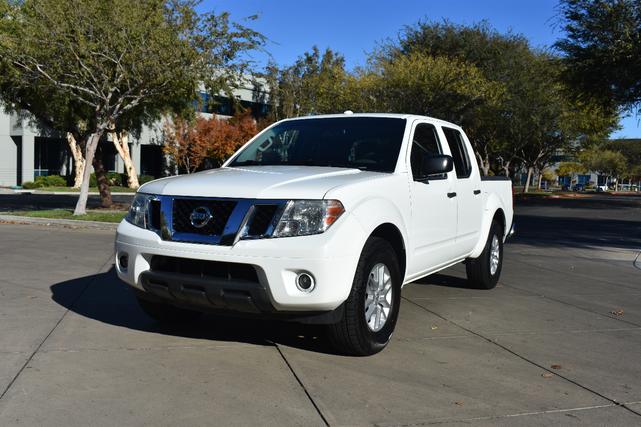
(353, 27)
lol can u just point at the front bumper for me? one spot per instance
(331, 259)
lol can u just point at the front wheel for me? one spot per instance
(371, 310)
(484, 272)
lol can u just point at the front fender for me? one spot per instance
(374, 212)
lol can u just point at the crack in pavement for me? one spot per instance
(498, 417)
(300, 382)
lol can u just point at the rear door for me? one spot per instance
(434, 213)
(468, 191)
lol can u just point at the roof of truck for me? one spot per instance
(388, 115)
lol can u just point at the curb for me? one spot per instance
(64, 193)
(63, 223)
(73, 193)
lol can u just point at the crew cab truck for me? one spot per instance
(319, 219)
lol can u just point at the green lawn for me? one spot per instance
(92, 215)
(93, 189)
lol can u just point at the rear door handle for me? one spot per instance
(450, 195)
(477, 192)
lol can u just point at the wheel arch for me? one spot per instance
(500, 216)
(493, 211)
(394, 237)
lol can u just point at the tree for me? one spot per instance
(602, 49)
(65, 119)
(604, 162)
(207, 142)
(530, 116)
(631, 150)
(314, 84)
(418, 83)
(570, 169)
(186, 150)
(502, 59)
(117, 57)
(121, 142)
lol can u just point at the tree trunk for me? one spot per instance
(484, 163)
(506, 168)
(90, 152)
(540, 180)
(78, 160)
(102, 182)
(530, 170)
(121, 142)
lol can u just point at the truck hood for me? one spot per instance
(260, 182)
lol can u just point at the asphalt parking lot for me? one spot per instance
(558, 342)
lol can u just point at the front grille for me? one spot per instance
(220, 210)
(261, 219)
(213, 269)
(154, 214)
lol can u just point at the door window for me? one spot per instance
(424, 143)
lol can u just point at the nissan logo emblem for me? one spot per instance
(200, 217)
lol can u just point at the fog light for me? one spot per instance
(305, 282)
(123, 261)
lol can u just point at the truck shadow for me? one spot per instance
(103, 297)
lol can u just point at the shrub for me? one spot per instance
(145, 178)
(114, 179)
(46, 181)
(30, 185)
(54, 181)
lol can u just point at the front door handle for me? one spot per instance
(450, 195)
(476, 192)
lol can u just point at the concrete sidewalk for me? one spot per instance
(556, 343)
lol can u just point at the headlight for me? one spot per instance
(138, 212)
(305, 217)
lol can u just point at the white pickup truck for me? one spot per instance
(318, 220)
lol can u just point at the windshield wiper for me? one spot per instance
(257, 163)
(345, 165)
(300, 163)
(326, 164)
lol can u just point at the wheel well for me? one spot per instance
(393, 235)
(499, 217)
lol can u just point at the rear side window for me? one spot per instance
(424, 142)
(459, 152)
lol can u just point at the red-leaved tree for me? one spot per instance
(207, 142)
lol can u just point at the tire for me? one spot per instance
(166, 313)
(352, 335)
(480, 272)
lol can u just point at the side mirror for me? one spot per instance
(436, 165)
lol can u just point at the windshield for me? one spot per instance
(368, 143)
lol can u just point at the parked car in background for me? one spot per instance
(602, 188)
(318, 220)
(578, 187)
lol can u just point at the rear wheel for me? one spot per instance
(166, 313)
(484, 272)
(371, 310)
